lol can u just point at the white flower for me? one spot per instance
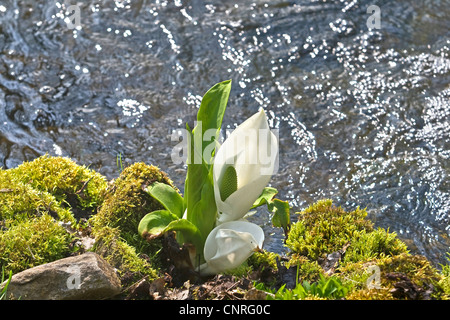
(243, 167)
(229, 245)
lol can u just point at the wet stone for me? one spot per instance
(82, 277)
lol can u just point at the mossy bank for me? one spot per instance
(52, 208)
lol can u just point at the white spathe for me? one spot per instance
(229, 245)
(252, 149)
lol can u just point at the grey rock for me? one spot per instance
(86, 276)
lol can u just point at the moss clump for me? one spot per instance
(34, 198)
(323, 228)
(402, 277)
(444, 282)
(378, 243)
(19, 202)
(307, 270)
(127, 202)
(130, 265)
(32, 242)
(115, 225)
(327, 241)
(71, 184)
(264, 259)
(37, 196)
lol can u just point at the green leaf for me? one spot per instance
(153, 224)
(265, 198)
(281, 217)
(189, 231)
(168, 197)
(212, 108)
(204, 212)
(4, 290)
(199, 187)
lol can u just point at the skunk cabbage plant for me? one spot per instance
(223, 183)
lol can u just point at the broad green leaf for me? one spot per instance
(168, 197)
(204, 212)
(189, 232)
(265, 198)
(212, 108)
(281, 217)
(199, 188)
(153, 224)
(197, 181)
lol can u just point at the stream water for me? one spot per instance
(363, 114)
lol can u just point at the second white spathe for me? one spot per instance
(229, 245)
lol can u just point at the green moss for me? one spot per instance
(33, 242)
(115, 225)
(127, 202)
(19, 202)
(68, 182)
(402, 276)
(129, 264)
(444, 282)
(323, 228)
(378, 243)
(263, 259)
(307, 270)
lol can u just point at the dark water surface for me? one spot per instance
(364, 115)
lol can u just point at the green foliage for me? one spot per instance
(33, 242)
(326, 288)
(199, 201)
(378, 243)
(123, 256)
(127, 200)
(307, 270)
(114, 226)
(64, 179)
(4, 288)
(169, 198)
(323, 228)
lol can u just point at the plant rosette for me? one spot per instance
(223, 183)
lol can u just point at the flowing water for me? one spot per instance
(363, 114)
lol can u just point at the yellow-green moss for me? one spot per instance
(401, 268)
(323, 228)
(444, 282)
(378, 243)
(60, 176)
(32, 242)
(115, 225)
(36, 196)
(19, 202)
(122, 256)
(264, 259)
(127, 202)
(307, 270)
